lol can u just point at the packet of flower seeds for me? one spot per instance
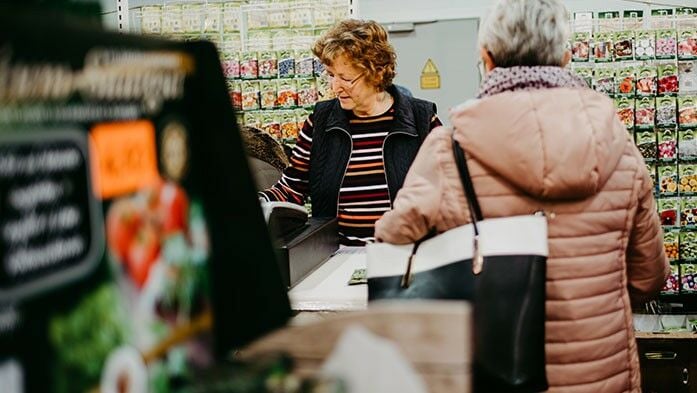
(687, 44)
(232, 17)
(687, 177)
(287, 93)
(671, 244)
(267, 91)
(645, 113)
(672, 284)
(286, 63)
(604, 80)
(645, 45)
(666, 112)
(687, 145)
(687, 112)
(249, 65)
(151, 19)
(250, 95)
(667, 179)
(271, 124)
(646, 143)
(307, 92)
(651, 168)
(580, 49)
(688, 246)
(304, 63)
(625, 111)
(289, 125)
(687, 76)
(668, 209)
(602, 47)
(646, 81)
(688, 212)
(667, 144)
(584, 72)
(268, 64)
(625, 81)
(666, 44)
(688, 278)
(253, 119)
(624, 45)
(668, 79)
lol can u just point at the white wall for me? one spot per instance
(386, 11)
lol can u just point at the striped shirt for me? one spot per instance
(363, 196)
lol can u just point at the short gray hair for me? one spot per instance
(526, 32)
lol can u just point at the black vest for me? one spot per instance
(331, 148)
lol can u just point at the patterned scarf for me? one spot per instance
(500, 80)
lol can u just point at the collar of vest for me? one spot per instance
(404, 121)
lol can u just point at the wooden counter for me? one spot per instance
(433, 336)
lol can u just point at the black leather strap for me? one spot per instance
(472, 201)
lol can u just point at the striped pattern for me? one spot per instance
(364, 195)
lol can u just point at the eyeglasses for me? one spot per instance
(343, 82)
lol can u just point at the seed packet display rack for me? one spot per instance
(648, 65)
(265, 49)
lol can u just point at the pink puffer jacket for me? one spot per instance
(564, 151)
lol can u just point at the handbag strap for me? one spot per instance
(472, 201)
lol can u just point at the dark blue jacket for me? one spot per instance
(332, 145)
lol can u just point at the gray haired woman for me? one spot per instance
(538, 139)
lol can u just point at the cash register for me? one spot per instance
(303, 243)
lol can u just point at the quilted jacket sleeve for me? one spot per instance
(415, 208)
(647, 265)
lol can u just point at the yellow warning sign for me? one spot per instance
(430, 78)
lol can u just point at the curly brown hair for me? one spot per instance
(365, 44)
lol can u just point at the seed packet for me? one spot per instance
(667, 79)
(645, 113)
(667, 179)
(687, 112)
(687, 145)
(625, 110)
(688, 246)
(580, 49)
(688, 277)
(304, 63)
(671, 286)
(286, 63)
(235, 91)
(289, 125)
(604, 81)
(666, 44)
(324, 89)
(232, 17)
(268, 64)
(301, 16)
(252, 119)
(671, 244)
(645, 46)
(256, 17)
(278, 15)
(651, 168)
(307, 92)
(212, 18)
(271, 124)
(688, 212)
(646, 142)
(151, 19)
(267, 90)
(287, 93)
(231, 63)
(301, 114)
(602, 47)
(687, 76)
(646, 81)
(624, 45)
(687, 174)
(250, 95)
(249, 65)
(668, 209)
(625, 81)
(192, 18)
(317, 67)
(687, 45)
(666, 112)
(667, 145)
(586, 73)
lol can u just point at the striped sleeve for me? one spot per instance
(294, 183)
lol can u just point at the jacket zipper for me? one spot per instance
(338, 194)
(382, 152)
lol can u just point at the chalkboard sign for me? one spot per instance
(133, 250)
